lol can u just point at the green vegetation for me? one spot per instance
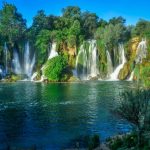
(56, 69)
(135, 108)
(94, 142)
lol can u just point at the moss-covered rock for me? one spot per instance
(125, 72)
(73, 79)
(13, 78)
(132, 48)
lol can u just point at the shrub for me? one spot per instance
(94, 142)
(54, 68)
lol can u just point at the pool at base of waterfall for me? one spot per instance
(57, 115)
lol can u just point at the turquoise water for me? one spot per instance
(55, 116)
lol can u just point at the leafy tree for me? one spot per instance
(74, 33)
(42, 44)
(12, 25)
(71, 12)
(142, 28)
(111, 35)
(135, 107)
(39, 21)
(102, 23)
(89, 24)
(55, 67)
(117, 20)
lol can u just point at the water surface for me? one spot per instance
(55, 116)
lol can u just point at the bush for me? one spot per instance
(55, 67)
(94, 142)
(135, 108)
(145, 75)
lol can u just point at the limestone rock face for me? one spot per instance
(125, 72)
(72, 51)
(132, 51)
(133, 46)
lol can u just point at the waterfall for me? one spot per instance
(1, 72)
(34, 76)
(122, 61)
(28, 63)
(6, 59)
(141, 51)
(131, 76)
(109, 64)
(81, 63)
(53, 52)
(92, 60)
(86, 61)
(16, 63)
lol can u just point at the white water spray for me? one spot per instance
(122, 61)
(109, 64)
(53, 52)
(28, 62)
(141, 51)
(16, 63)
(131, 76)
(86, 62)
(6, 59)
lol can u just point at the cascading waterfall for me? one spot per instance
(86, 62)
(92, 63)
(28, 63)
(141, 51)
(81, 63)
(109, 64)
(131, 76)
(122, 61)
(6, 59)
(16, 63)
(53, 52)
(2, 74)
(34, 76)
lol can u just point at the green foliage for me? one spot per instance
(71, 12)
(145, 75)
(12, 25)
(123, 142)
(118, 20)
(93, 142)
(112, 35)
(135, 107)
(12, 31)
(42, 44)
(102, 58)
(55, 67)
(89, 24)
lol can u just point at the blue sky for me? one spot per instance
(132, 10)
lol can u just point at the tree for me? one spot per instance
(135, 107)
(71, 12)
(102, 23)
(74, 33)
(143, 28)
(89, 24)
(39, 21)
(117, 20)
(42, 45)
(12, 25)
